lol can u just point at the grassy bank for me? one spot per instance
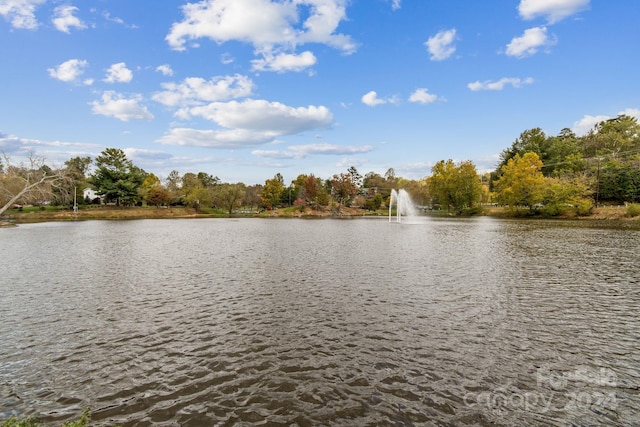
(27, 215)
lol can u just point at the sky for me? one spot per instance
(246, 89)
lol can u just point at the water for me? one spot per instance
(321, 322)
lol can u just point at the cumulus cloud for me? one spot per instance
(265, 116)
(116, 105)
(232, 138)
(21, 13)
(442, 45)
(118, 73)
(422, 96)
(301, 151)
(165, 69)
(500, 84)
(64, 19)
(248, 123)
(530, 42)
(586, 123)
(371, 99)
(272, 27)
(69, 70)
(284, 62)
(195, 90)
(553, 10)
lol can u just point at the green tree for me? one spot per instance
(230, 196)
(76, 170)
(116, 178)
(522, 182)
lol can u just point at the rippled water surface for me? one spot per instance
(321, 322)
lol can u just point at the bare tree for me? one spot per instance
(27, 182)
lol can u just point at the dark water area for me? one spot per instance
(321, 322)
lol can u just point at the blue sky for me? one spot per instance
(245, 89)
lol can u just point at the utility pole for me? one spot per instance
(598, 182)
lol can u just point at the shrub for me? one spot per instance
(633, 210)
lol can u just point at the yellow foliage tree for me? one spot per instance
(522, 182)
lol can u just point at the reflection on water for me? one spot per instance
(280, 322)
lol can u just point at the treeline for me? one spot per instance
(536, 174)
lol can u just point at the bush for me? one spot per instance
(633, 210)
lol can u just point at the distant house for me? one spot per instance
(90, 195)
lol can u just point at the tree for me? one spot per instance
(252, 196)
(77, 169)
(32, 181)
(230, 196)
(343, 188)
(174, 185)
(356, 178)
(194, 193)
(158, 196)
(272, 191)
(116, 178)
(455, 186)
(522, 181)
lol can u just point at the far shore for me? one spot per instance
(615, 213)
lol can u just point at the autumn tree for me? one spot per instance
(158, 196)
(272, 191)
(343, 188)
(522, 182)
(457, 187)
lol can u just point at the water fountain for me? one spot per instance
(404, 205)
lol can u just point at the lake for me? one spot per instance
(321, 322)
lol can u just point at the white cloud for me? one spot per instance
(194, 90)
(500, 84)
(633, 112)
(301, 151)
(233, 138)
(144, 154)
(442, 45)
(586, 123)
(270, 26)
(371, 99)
(395, 4)
(117, 20)
(423, 96)
(553, 10)
(21, 13)
(264, 116)
(248, 123)
(63, 19)
(284, 62)
(118, 73)
(69, 70)
(165, 69)
(529, 43)
(113, 104)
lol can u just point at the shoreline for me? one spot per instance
(603, 214)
